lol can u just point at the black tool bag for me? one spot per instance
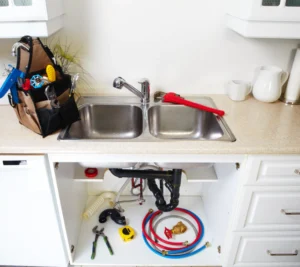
(35, 110)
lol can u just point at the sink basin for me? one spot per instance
(107, 122)
(121, 119)
(180, 122)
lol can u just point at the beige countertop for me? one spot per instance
(259, 128)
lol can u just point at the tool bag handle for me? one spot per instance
(36, 58)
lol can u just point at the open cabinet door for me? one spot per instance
(71, 198)
(30, 232)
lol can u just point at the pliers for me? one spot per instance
(100, 233)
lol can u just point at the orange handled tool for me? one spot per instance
(176, 99)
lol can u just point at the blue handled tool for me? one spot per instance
(11, 83)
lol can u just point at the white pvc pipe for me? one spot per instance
(90, 211)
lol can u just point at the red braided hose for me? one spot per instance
(163, 240)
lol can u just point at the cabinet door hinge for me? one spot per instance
(56, 165)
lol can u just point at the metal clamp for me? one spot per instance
(290, 213)
(295, 253)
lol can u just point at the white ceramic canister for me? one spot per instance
(292, 93)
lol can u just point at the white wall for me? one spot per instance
(180, 45)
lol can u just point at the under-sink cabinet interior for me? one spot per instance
(249, 206)
(208, 189)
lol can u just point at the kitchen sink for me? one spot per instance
(107, 122)
(180, 122)
(123, 118)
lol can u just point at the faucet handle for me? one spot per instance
(145, 89)
(144, 81)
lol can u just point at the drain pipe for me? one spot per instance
(144, 174)
(172, 180)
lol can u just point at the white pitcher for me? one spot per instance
(268, 82)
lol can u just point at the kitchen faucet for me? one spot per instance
(144, 95)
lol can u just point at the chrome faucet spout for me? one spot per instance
(133, 90)
(144, 95)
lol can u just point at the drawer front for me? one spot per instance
(271, 208)
(278, 171)
(268, 251)
(274, 170)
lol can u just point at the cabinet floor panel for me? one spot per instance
(135, 252)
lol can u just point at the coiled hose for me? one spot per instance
(175, 253)
(169, 217)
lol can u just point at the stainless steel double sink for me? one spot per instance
(123, 118)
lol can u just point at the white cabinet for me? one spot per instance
(266, 227)
(30, 17)
(29, 226)
(251, 214)
(264, 18)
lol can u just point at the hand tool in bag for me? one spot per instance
(26, 85)
(51, 95)
(20, 82)
(37, 81)
(100, 233)
(15, 47)
(74, 83)
(51, 73)
(127, 233)
(177, 99)
(11, 84)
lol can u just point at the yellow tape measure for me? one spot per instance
(126, 233)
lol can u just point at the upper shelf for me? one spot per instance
(30, 17)
(264, 29)
(265, 18)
